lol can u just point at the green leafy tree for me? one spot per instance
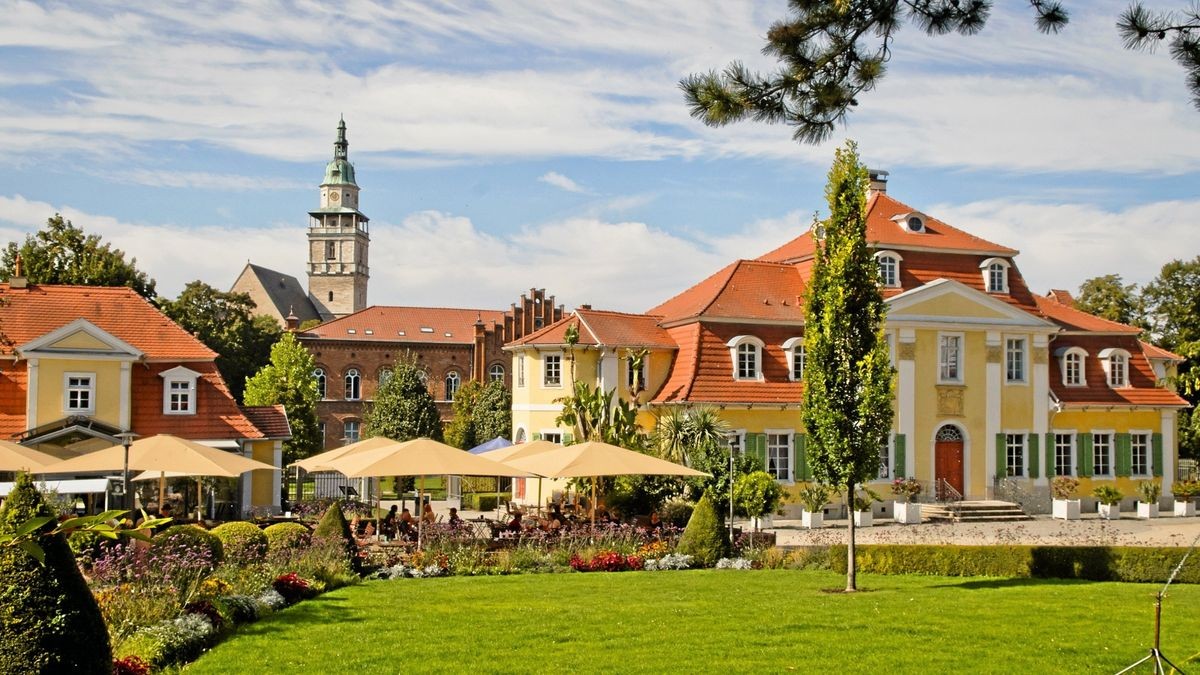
(461, 431)
(61, 253)
(493, 412)
(403, 408)
(1109, 297)
(288, 380)
(848, 380)
(756, 494)
(831, 51)
(226, 323)
(1172, 302)
(51, 621)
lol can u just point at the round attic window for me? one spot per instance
(915, 224)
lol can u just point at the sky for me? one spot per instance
(507, 145)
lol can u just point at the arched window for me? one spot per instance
(350, 427)
(889, 268)
(496, 373)
(794, 348)
(949, 433)
(384, 375)
(353, 385)
(319, 375)
(1116, 366)
(995, 275)
(452, 383)
(746, 353)
(1072, 361)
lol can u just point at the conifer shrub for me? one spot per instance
(243, 542)
(285, 536)
(51, 621)
(335, 527)
(704, 538)
(184, 538)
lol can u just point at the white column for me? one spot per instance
(992, 421)
(125, 409)
(1041, 401)
(246, 482)
(609, 372)
(276, 476)
(906, 394)
(31, 395)
(1170, 453)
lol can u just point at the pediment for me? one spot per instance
(947, 301)
(80, 338)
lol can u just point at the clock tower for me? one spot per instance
(338, 240)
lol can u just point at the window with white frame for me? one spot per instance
(1064, 454)
(736, 440)
(995, 275)
(521, 370)
(885, 459)
(79, 395)
(353, 385)
(746, 353)
(779, 455)
(950, 358)
(1116, 366)
(640, 372)
(796, 355)
(889, 268)
(319, 376)
(1139, 454)
(1102, 447)
(453, 381)
(350, 427)
(1014, 359)
(1073, 369)
(552, 436)
(1014, 454)
(552, 370)
(180, 400)
(496, 373)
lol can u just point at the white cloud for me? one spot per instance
(561, 182)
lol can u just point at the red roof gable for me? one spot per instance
(30, 313)
(745, 289)
(602, 327)
(445, 325)
(1143, 389)
(217, 414)
(703, 370)
(271, 420)
(1072, 319)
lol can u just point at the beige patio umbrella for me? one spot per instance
(162, 453)
(521, 450)
(592, 459)
(420, 457)
(320, 462)
(17, 457)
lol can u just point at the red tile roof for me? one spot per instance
(556, 334)
(703, 370)
(1061, 297)
(922, 267)
(1072, 319)
(1142, 389)
(271, 420)
(381, 323)
(217, 414)
(602, 327)
(12, 398)
(26, 314)
(1156, 352)
(745, 289)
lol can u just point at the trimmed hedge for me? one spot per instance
(1094, 563)
(287, 536)
(243, 542)
(704, 538)
(180, 537)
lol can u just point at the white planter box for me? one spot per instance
(863, 519)
(1066, 509)
(1110, 511)
(906, 513)
(1147, 510)
(763, 523)
(1187, 508)
(813, 520)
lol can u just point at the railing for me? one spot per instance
(1013, 490)
(946, 494)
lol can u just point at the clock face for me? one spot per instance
(333, 196)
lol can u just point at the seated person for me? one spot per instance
(515, 525)
(405, 529)
(427, 515)
(406, 517)
(454, 520)
(655, 521)
(387, 526)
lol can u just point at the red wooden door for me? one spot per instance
(948, 463)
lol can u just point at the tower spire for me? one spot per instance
(341, 146)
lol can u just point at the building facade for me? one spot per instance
(998, 389)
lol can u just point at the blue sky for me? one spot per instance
(519, 143)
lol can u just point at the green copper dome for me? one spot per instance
(340, 171)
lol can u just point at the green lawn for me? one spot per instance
(714, 621)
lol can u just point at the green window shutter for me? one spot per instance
(898, 469)
(1033, 455)
(1083, 453)
(537, 437)
(800, 457)
(1049, 454)
(1156, 454)
(1124, 455)
(568, 438)
(761, 450)
(1001, 457)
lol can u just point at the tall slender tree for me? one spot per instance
(848, 379)
(288, 379)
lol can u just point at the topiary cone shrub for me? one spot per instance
(243, 542)
(334, 526)
(50, 620)
(704, 538)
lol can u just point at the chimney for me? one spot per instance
(18, 280)
(585, 307)
(879, 179)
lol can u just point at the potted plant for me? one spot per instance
(1148, 494)
(814, 496)
(1110, 501)
(757, 495)
(1066, 505)
(863, 499)
(1185, 492)
(905, 510)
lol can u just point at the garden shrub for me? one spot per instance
(50, 620)
(243, 542)
(756, 494)
(334, 526)
(283, 536)
(183, 537)
(240, 608)
(173, 641)
(488, 502)
(292, 588)
(676, 512)
(704, 539)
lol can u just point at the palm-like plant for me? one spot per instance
(596, 415)
(680, 432)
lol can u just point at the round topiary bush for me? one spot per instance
(243, 542)
(181, 538)
(281, 536)
(50, 619)
(704, 539)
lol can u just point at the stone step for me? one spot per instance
(974, 512)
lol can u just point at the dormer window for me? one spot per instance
(79, 393)
(995, 274)
(889, 268)
(913, 222)
(1116, 366)
(1072, 364)
(179, 391)
(794, 349)
(746, 353)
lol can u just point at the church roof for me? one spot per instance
(283, 290)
